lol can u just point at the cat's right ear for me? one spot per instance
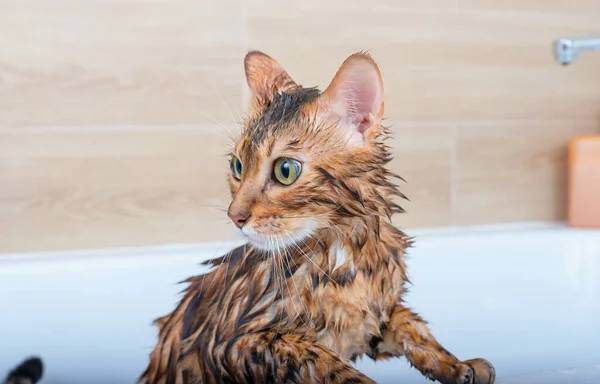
(355, 99)
(265, 77)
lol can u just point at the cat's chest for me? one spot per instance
(351, 314)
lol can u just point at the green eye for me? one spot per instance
(287, 170)
(236, 167)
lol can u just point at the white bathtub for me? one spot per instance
(526, 299)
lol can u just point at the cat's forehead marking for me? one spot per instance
(283, 109)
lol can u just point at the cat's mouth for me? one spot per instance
(278, 238)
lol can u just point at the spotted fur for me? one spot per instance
(321, 280)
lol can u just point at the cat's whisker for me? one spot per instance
(284, 280)
(215, 89)
(333, 226)
(223, 260)
(233, 119)
(302, 303)
(297, 313)
(288, 256)
(226, 135)
(312, 261)
(303, 243)
(215, 207)
(229, 135)
(320, 269)
(282, 292)
(274, 276)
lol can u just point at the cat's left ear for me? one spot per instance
(355, 97)
(265, 77)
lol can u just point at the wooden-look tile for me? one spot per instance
(439, 63)
(89, 188)
(496, 93)
(513, 171)
(480, 111)
(423, 157)
(120, 62)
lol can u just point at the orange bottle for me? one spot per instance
(584, 182)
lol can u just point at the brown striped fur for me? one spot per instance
(322, 276)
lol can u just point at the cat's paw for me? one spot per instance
(461, 374)
(475, 371)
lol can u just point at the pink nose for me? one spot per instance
(239, 219)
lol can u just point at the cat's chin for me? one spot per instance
(273, 242)
(270, 243)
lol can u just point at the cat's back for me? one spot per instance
(208, 312)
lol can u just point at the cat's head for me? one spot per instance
(308, 160)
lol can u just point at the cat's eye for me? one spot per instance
(286, 170)
(236, 167)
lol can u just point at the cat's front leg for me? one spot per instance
(407, 334)
(271, 357)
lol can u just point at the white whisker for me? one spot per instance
(288, 285)
(282, 293)
(322, 271)
(304, 308)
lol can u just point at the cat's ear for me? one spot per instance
(265, 77)
(355, 97)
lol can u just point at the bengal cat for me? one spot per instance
(321, 278)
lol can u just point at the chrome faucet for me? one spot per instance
(567, 51)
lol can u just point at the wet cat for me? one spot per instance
(321, 278)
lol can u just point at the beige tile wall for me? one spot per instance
(114, 114)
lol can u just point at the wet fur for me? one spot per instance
(327, 285)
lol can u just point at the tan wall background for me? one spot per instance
(113, 114)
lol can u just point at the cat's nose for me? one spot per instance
(238, 218)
